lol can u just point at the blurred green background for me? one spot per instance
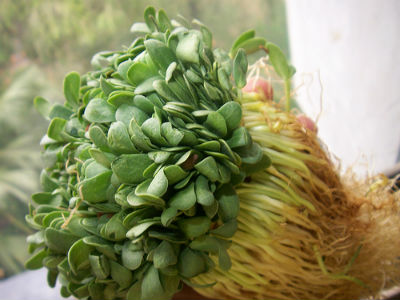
(42, 40)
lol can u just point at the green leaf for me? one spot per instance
(163, 21)
(164, 255)
(188, 48)
(100, 266)
(56, 128)
(203, 194)
(152, 128)
(60, 111)
(208, 167)
(150, 18)
(106, 86)
(119, 98)
(144, 197)
(147, 85)
(36, 261)
(42, 106)
(195, 226)
(174, 174)
(99, 111)
(241, 38)
(168, 216)
(72, 84)
(163, 90)
(114, 230)
(191, 263)
(59, 241)
(151, 285)
(228, 203)
(129, 168)
(240, 138)
(252, 45)
(121, 275)
(141, 141)
(78, 256)
(139, 72)
(137, 230)
(139, 28)
(98, 137)
(279, 61)
(240, 68)
(131, 256)
(205, 32)
(143, 104)
(226, 230)
(160, 54)
(184, 199)
(170, 71)
(158, 185)
(232, 113)
(224, 260)
(216, 123)
(94, 189)
(103, 158)
(119, 139)
(206, 243)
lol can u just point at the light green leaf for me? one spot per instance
(99, 111)
(188, 48)
(160, 54)
(279, 61)
(72, 84)
(78, 256)
(42, 106)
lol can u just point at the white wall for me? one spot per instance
(355, 47)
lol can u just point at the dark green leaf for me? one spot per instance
(191, 263)
(59, 241)
(129, 167)
(194, 227)
(184, 199)
(232, 113)
(203, 194)
(208, 167)
(216, 123)
(78, 256)
(228, 203)
(36, 261)
(150, 18)
(94, 189)
(174, 174)
(226, 230)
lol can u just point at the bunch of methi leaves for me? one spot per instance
(140, 166)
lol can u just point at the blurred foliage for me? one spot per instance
(42, 40)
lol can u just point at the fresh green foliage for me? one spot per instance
(141, 163)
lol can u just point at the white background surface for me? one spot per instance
(355, 47)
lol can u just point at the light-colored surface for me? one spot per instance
(30, 285)
(354, 46)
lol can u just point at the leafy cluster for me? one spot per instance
(140, 165)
